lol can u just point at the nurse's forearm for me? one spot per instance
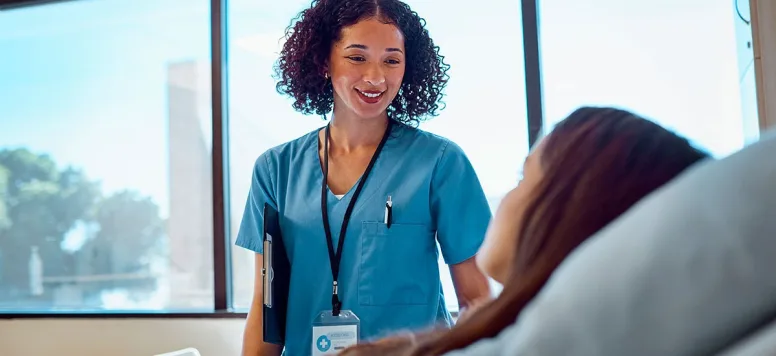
(253, 345)
(253, 339)
(471, 285)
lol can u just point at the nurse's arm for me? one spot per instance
(253, 344)
(471, 286)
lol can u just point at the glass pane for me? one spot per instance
(259, 117)
(486, 110)
(678, 62)
(487, 53)
(105, 173)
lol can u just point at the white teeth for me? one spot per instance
(370, 95)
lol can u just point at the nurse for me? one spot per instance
(365, 199)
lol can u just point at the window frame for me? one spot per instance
(222, 296)
(763, 24)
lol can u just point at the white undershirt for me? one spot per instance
(339, 196)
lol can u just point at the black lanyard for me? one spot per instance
(335, 258)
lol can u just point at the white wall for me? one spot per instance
(119, 337)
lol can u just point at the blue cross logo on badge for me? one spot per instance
(323, 343)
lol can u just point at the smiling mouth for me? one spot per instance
(371, 94)
(370, 97)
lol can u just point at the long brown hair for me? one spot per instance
(597, 163)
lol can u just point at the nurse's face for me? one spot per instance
(367, 67)
(498, 251)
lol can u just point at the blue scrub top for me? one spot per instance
(389, 277)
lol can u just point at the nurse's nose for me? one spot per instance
(374, 75)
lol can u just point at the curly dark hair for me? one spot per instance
(309, 39)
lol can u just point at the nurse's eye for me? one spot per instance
(392, 61)
(356, 58)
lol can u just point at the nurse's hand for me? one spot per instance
(253, 344)
(475, 305)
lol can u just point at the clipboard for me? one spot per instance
(276, 274)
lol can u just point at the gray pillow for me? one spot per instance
(689, 270)
(762, 342)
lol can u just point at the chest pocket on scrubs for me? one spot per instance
(397, 264)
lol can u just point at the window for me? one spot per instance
(489, 125)
(684, 64)
(259, 117)
(481, 122)
(106, 133)
(105, 168)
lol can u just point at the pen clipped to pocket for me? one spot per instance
(388, 212)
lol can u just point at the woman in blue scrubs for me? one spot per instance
(364, 200)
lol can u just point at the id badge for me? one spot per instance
(332, 334)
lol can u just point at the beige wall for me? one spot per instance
(119, 337)
(764, 30)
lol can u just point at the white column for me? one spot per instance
(36, 272)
